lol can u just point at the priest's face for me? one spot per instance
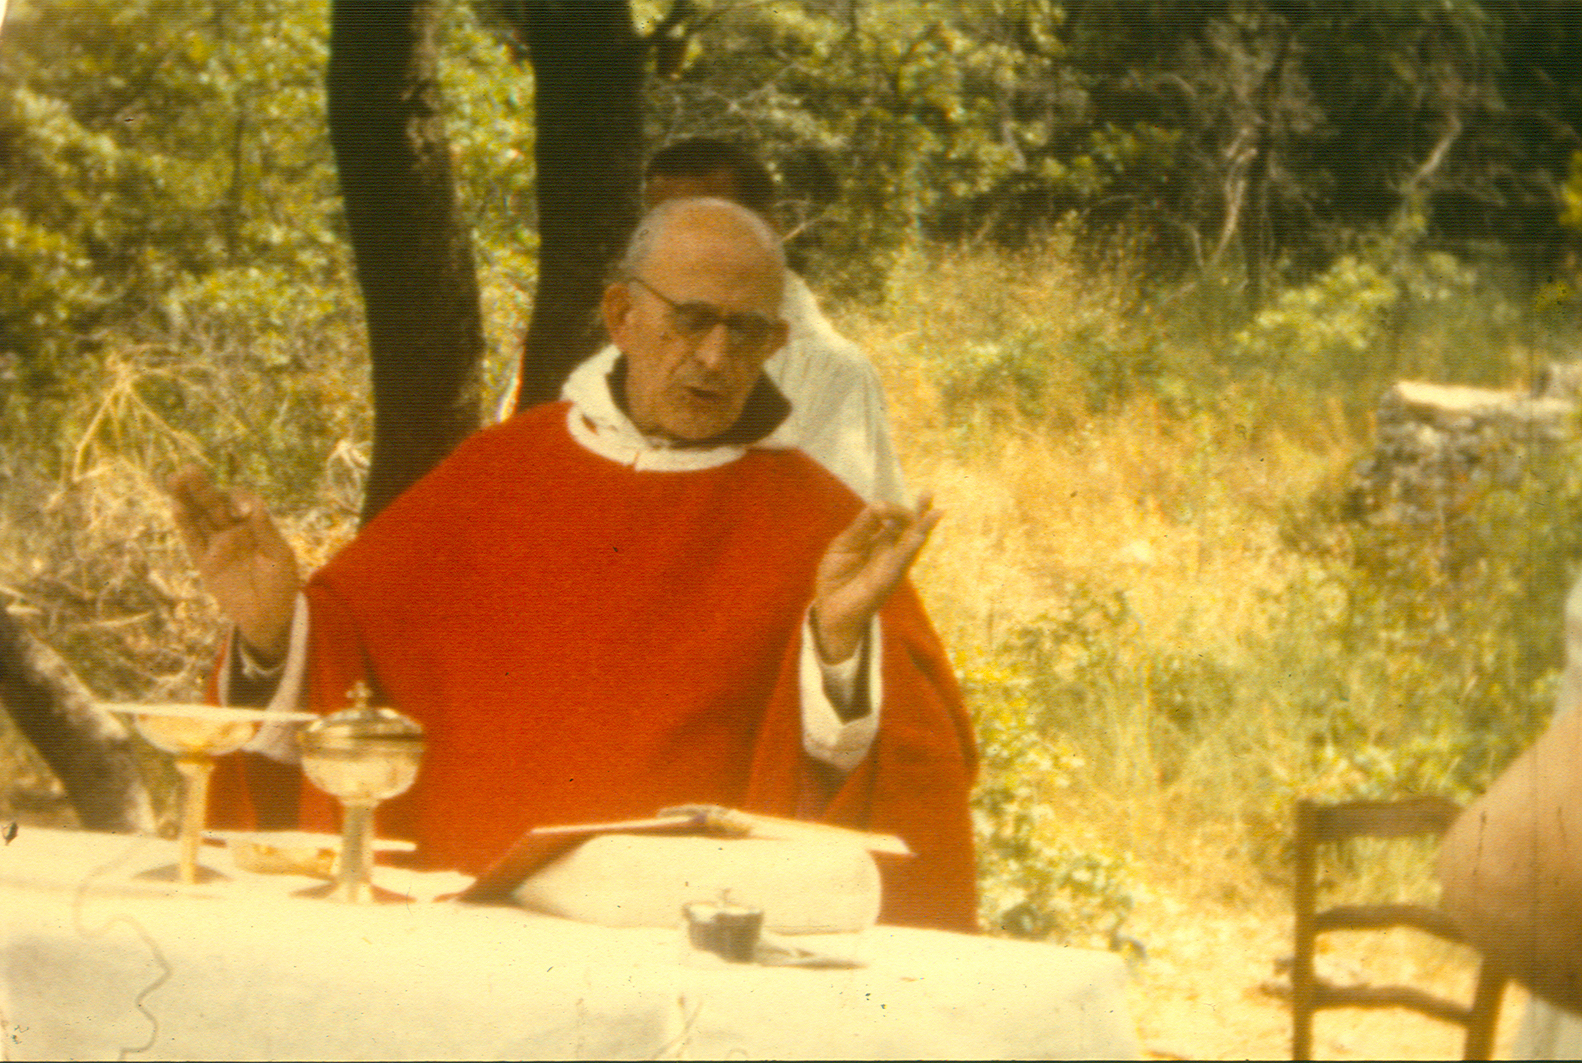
(696, 323)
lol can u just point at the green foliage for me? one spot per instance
(1041, 376)
(1054, 346)
(175, 141)
(489, 122)
(1329, 326)
(46, 279)
(1421, 657)
(182, 156)
(1034, 884)
(1012, 374)
(1225, 136)
(1571, 196)
(1199, 128)
(885, 98)
(1385, 311)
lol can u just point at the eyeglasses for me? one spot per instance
(745, 334)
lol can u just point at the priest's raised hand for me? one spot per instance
(241, 557)
(861, 568)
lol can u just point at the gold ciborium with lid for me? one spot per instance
(360, 756)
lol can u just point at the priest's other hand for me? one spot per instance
(862, 566)
(241, 557)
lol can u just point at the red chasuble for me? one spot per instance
(583, 641)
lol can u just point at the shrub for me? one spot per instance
(1032, 883)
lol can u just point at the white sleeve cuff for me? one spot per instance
(275, 740)
(825, 736)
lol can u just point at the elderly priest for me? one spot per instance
(621, 602)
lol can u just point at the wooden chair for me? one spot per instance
(1319, 824)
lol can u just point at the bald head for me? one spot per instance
(696, 312)
(720, 222)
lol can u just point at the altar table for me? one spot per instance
(98, 965)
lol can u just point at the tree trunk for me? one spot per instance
(588, 71)
(414, 260)
(89, 751)
(1259, 244)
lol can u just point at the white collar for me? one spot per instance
(601, 426)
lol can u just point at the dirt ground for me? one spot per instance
(1208, 988)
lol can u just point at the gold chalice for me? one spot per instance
(360, 756)
(196, 734)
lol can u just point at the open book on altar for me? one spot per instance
(541, 846)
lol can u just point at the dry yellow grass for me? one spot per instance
(1178, 511)
(1182, 513)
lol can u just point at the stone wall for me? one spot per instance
(1439, 446)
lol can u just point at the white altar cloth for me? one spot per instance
(96, 965)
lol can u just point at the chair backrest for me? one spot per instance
(1319, 824)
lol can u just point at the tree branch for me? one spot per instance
(89, 750)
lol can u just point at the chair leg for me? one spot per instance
(1305, 890)
(1302, 993)
(1301, 1032)
(1483, 1021)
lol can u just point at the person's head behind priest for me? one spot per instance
(696, 312)
(703, 166)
